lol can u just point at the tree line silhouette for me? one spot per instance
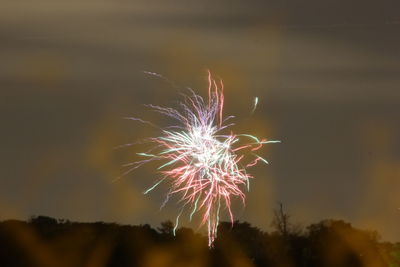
(45, 241)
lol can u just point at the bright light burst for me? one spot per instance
(203, 165)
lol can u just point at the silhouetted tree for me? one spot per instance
(47, 242)
(166, 228)
(282, 223)
(337, 243)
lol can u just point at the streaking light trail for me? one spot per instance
(203, 162)
(254, 105)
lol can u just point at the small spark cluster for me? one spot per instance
(204, 166)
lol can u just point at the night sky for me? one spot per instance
(327, 74)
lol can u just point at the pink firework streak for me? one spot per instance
(204, 166)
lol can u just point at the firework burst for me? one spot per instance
(203, 164)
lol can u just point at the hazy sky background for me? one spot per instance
(327, 74)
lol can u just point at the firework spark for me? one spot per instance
(203, 165)
(254, 105)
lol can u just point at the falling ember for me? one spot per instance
(254, 105)
(203, 165)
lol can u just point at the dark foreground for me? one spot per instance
(45, 241)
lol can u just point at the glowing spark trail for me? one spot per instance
(254, 105)
(203, 165)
